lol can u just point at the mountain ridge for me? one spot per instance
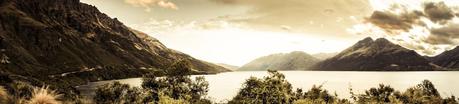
(448, 59)
(375, 55)
(296, 60)
(40, 38)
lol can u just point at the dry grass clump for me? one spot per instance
(44, 95)
(4, 97)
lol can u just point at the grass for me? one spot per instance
(44, 95)
(4, 97)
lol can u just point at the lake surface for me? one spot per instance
(224, 86)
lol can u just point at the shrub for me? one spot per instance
(382, 94)
(117, 93)
(175, 87)
(22, 89)
(164, 99)
(424, 93)
(44, 96)
(317, 95)
(271, 89)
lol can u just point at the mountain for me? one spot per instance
(283, 61)
(54, 38)
(375, 55)
(448, 59)
(323, 56)
(227, 66)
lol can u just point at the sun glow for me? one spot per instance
(222, 42)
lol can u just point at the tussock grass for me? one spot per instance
(4, 97)
(44, 95)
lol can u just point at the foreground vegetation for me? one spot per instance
(276, 90)
(179, 88)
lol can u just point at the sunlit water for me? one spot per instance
(224, 86)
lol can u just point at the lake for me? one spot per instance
(224, 86)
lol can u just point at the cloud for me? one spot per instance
(390, 21)
(148, 4)
(444, 35)
(427, 28)
(320, 17)
(166, 4)
(438, 12)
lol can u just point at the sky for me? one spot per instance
(237, 31)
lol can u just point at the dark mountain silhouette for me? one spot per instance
(58, 37)
(283, 61)
(375, 55)
(448, 59)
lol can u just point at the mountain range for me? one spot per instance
(376, 55)
(365, 55)
(296, 60)
(55, 38)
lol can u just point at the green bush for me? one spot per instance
(117, 93)
(177, 84)
(424, 93)
(175, 87)
(273, 89)
(317, 95)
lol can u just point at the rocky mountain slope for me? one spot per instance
(283, 61)
(448, 59)
(375, 55)
(42, 38)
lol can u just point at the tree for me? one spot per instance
(273, 89)
(177, 85)
(117, 93)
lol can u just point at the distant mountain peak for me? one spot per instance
(448, 59)
(382, 40)
(366, 40)
(373, 55)
(296, 60)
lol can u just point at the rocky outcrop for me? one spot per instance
(375, 55)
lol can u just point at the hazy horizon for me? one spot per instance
(237, 31)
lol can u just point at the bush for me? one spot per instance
(424, 93)
(317, 95)
(117, 93)
(175, 87)
(271, 89)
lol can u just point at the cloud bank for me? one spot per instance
(328, 18)
(148, 4)
(429, 29)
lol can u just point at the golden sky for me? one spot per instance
(238, 31)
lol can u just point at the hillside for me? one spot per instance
(283, 61)
(448, 59)
(56, 39)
